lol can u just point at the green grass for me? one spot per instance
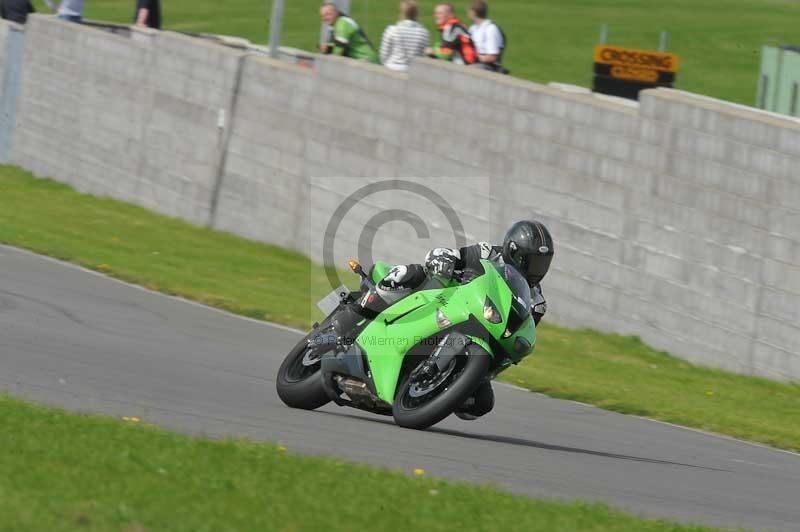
(62, 471)
(623, 374)
(719, 41)
(261, 281)
(160, 253)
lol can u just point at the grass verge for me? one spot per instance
(719, 41)
(63, 471)
(267, 282)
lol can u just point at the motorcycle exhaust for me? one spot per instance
(354, 388)
(361, 396)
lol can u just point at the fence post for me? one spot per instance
(778, 76)
(763, 87)
(275, 25)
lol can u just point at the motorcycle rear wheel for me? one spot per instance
(420, 403)
(299, 382)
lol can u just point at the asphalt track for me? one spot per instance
(76, 339)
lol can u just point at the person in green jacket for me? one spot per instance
(347, 38)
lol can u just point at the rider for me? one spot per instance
(527, 246)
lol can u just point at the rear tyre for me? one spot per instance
(299, 381)
(424, 400)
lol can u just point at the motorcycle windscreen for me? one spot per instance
(520, 295)
(330, 302)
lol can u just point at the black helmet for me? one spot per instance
(529, 247)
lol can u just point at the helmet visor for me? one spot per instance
(537, 268)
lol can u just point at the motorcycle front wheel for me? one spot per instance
(424, 398)
(299, 382)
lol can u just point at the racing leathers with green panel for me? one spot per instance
(349, 40)
(445, 262)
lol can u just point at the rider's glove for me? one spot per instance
(486, 249)
(442, 261)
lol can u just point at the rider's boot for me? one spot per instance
(479, 404)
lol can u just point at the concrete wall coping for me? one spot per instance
(528, 85)
(360, 65)
(722, 106)
(217, 46)
(12, 25)
(144, 30)
(277, 63)
(35, 19)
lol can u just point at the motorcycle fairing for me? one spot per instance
(413, 319)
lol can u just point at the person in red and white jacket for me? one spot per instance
(454, 43)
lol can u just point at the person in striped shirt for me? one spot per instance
(404, 40)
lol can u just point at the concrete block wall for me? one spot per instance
(192, 85)
(304, 140)
(661, 213)
(263, 181)
(139, 117)
(676, 220)
(5, 27)
(13, 41)
(83, 102)
(738, 169)
(360, 136)
(567, 159)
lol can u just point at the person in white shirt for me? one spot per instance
(405, 40)
(488, 38)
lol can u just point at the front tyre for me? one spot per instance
(299, 381)
(428, 395)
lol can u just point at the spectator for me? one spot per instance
(148, 14)
(16, 10)
(71, 10)
(347, 38)
(454, 43)
(404, 40)
(488, 38)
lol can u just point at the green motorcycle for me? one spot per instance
(418, 354)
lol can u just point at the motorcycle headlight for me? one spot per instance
(441, 319)
(490, 312)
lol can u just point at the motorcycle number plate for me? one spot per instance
(329, 303)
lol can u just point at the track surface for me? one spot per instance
(82, 341)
